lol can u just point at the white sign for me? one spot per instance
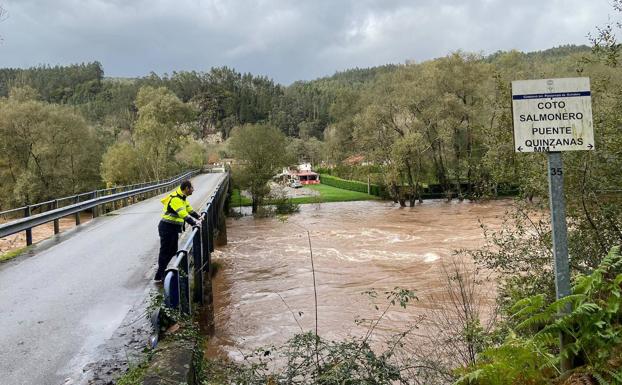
(552, 115)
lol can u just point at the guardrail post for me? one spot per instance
(114, 203)
(197, 254)
(184, 283)
(56, 221)
(95, 208)
(27, 213)
(171, 282)
(121, 202)
(129, 200)
(103, 208)
(76, 200)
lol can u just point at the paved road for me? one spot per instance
(62, 306)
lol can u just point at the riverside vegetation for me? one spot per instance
(445, 121)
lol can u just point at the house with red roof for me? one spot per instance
(302, 173)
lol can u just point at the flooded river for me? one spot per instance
(263, 293)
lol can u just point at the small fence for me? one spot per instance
(54, 210)
(195, 256)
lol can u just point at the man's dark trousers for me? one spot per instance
(169, 236)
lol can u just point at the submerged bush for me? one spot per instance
(306, 358)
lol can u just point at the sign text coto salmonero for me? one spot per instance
(552, 115)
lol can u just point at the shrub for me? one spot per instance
(594, 325)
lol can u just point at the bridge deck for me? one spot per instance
(61, 306)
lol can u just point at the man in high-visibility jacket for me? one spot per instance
(176, 211)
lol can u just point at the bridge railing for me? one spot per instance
(64, 201)
(98, 198)
(186, 270)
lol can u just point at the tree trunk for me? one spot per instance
(255, 205)
(417, 180)
(394, 192)
(411, 185)
(457, 160)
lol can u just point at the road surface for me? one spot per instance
(78, 301)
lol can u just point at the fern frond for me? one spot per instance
(469, 377)
(586, 308)
(547, 339)
(572, 299)
(528, 306)
(535, 321)
(600, 379)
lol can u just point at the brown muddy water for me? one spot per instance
(263, 292)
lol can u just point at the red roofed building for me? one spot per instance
(308, 177)
(302, 173)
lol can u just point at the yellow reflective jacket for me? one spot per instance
(176, 208)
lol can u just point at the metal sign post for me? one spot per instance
(559, 226)
(560, 241)
(554, 115)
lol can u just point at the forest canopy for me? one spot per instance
(445, 121)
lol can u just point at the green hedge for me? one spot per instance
(351, 185)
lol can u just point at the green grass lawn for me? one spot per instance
(327, 194)
(237, 200)
(333, 194)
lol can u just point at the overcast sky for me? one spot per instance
(286, 40)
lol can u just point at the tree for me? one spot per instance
(121, 165)
(193, 155)
(310, 150)
(605, 44)
(46, 150)
(261, 150)
(160, 128)
(338, 136)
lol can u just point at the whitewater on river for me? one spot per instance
(264, 293)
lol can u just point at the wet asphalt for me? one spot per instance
(61, 304)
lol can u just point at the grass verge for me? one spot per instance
(134, 376)
(13, 253)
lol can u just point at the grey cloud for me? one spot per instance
(283, 39)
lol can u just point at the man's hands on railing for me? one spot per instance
(199, 220)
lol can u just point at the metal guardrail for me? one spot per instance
(95, 193)
(30, 221)
(196, 254)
